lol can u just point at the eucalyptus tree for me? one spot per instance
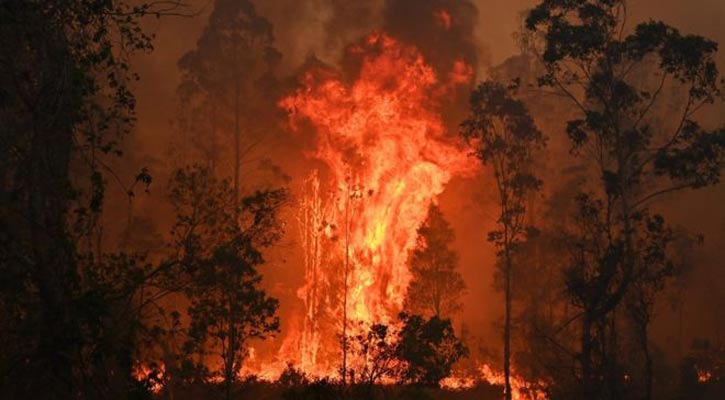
(219, 245)
(228, 88)
(436, 285)
(505, 137)
(65, 105)
(637, 90)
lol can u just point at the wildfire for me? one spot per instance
(704, 376)
(521, 389)
(388, 155)
(152, 377)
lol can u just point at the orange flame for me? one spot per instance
(704, 376)
(443, 18)
(389, 155)
(521, 389)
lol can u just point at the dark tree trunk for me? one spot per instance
(648, 371)
(507, 327)
(44, 183)
(54, 268)
(586, 356)
(237, 129)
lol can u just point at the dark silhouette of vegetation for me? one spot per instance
(429, 348)
(617, 82)
(504, 136)
(436, 286)
(68, 323)
(219, 244)
(376, 350)
(318, 389)
(419, 354)
(227, 88)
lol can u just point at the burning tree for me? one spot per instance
(504, 136)
(379, 129)
(436, 286)
(312, 223)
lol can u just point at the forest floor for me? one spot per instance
(326, 391)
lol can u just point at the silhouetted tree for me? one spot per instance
(504, 136)
(65, 104)
(375, 356)
(428, 349)
(227, 86)
(639, 150)
(436, 286)
(220, 244)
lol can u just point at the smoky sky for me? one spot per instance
(442, 30)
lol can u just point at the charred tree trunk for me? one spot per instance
(345, 283)
(640, 312)
(54, 269)
(230, 355)
(50, 103)
(648, 369)
(507, 326)
(586, 356)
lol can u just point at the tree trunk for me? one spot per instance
(586, 356)
(54, 270)
(648, 371)
(642, 322)
(229, 359)
(507, 327)
(344, 300)
(237, 133)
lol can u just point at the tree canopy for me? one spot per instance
(436, 286)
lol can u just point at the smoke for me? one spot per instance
(442, 30)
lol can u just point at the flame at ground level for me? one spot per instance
(520, 388)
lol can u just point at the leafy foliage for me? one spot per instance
(220, 245)
(429, 348)
(641, 147)
(436, 286)
(504, 136)
(585, 47)
(228, 88)
(68, 320)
